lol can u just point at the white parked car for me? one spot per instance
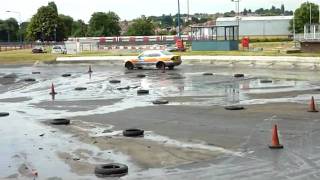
(58, 49)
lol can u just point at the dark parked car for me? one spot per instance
(38, 49)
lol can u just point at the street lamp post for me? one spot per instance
(20, 22)
(55, 33)
(188, 3)
(310, 13)
(238, 10)
(179, 34)
(238, 16)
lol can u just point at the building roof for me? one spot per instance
(255, 18)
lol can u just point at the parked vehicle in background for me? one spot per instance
(59, 49)
(158, 58)
(38, 49)
(172, 48)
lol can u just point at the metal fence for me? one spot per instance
(4, 46)
(307, 37)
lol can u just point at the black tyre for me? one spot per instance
(112, 169)
(265, 81)
(3, 114)
(143, 91)
(238, 75)
(140, 67)
(129, 65)
(10, 76)
(160, 102)
(123, 88)
(160, 65)
(66, 75)
(141, 75)
(80, 88)
(29, 80)
(207, 74)
(171, 67)
(176, 77)
(36, 72)
(234, 108)
(60, 121)
(114, 81)
(133, 132)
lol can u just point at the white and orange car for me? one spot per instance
(158, 58)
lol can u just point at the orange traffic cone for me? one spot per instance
(275, 139)
(90, 70)
(312, 106)
(53, 92)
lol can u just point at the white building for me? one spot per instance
(257, 26)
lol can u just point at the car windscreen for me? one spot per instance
(166, 53)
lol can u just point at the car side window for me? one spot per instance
(155, 55)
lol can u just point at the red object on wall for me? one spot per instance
(102, 40)
(132, 39)
(145, 39)
(179, 44)
(245, 42)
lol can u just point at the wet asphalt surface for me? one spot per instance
(195, 115)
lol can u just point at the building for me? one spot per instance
(214, 38)
(259, 26)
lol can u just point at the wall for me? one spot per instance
(261, 27)
(311, 47)
(215, 45)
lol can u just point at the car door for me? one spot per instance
(152, 58)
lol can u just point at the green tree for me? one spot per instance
(282, 9)
(43, 24)
(302, 16)
(23, 30)
(141, 27)
(79, 29)
(104, 24)
(245, 12)
(9, 30)
(66, 22)
(53, 6)
(166, 21)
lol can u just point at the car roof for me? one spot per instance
(152, 51)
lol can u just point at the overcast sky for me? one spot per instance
(130, 9)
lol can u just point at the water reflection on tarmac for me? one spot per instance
(29, 104)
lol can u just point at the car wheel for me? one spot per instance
(160, 65)
(129, 65)
(171, 67)
(140, 67)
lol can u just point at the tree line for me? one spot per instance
(48, 25)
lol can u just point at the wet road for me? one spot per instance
(192, 96)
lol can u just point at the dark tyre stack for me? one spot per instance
(111, 170)
(133, 132)
(60, 121)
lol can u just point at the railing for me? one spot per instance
(14, 46)
(307, 37)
